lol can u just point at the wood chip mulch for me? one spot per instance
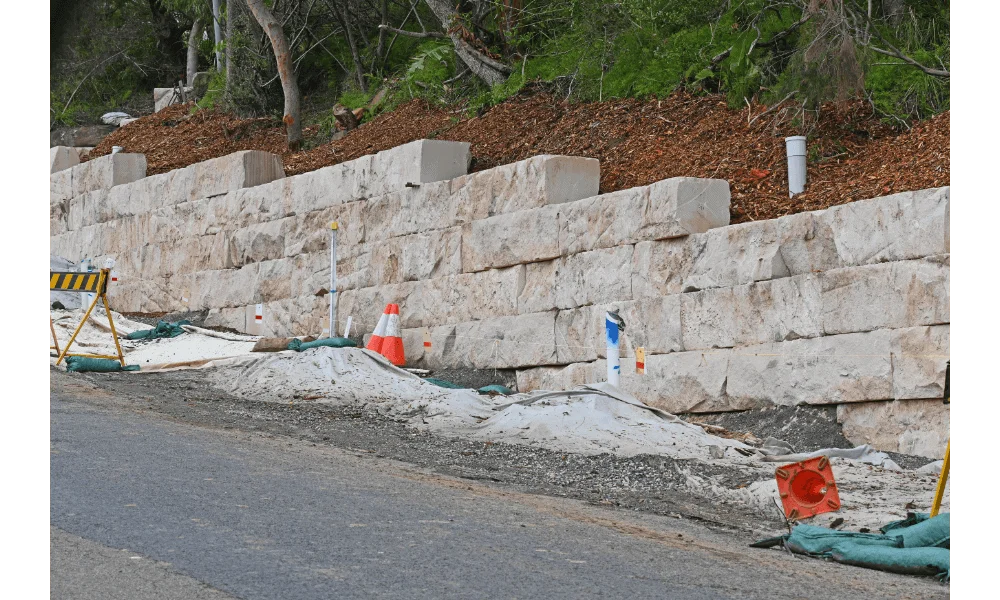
(853, 155)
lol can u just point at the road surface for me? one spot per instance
(145, 506)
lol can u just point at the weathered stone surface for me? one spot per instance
(419, 162)
(690, 204)
(105, 172)
(504, 240)
(264, 241)
(499, 343)
(681, 382)
(58, 217)
(62, 157)
(920, 360)
(658, 268)
(230, 318)
(408, 211)
(594, 277)
(61, 185)
(854, 367)
(555, 378)
(319, 189)
(224, 288)
(310, 232)
(735, 255)
(527, 184)
(87, 135)
(891, 295)
(242, 169)
(417, 257)
(918, 427)
(467, 297)
(767, 311)
(653, 323)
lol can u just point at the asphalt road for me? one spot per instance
(147, 507)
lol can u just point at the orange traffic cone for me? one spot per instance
(392, 345)
(375, 342)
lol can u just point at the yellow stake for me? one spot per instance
(942, 481)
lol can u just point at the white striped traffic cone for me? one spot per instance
(375, 343)
(392, 346)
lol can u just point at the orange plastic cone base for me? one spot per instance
(807, 488)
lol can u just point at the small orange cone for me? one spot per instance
(807, 488)
(392, 346)
(375, 342)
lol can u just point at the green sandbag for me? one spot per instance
(908, 561)
(809, 539)
(929, 533)
(162, 330)
(911, 519)
(83, 364)
(337, 342)
(445, 384)
(496, 389)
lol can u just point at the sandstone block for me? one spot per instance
(230, 318)
(680, 382)
(918, 427)
(854, 367)
(408, 211)
(555, 378)
(105, 172)
(653, 323)
(246, 168)
(505, 240)
(890, 295)
(498, 343)
(594, 277)
(58, 217)
(527, 184)
(310, 232)
(735, 255)
(417, 257)
(419, 162)
(321, 188)
(920, 360)
(224, 288)
(62, 157)
(256, 243)
(767, 311)
(658, 268)
(61, 185)
(466, 297)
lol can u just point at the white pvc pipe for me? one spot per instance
(333, 280)
(614, 356)
(795, 147)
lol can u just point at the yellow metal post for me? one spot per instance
(942, 481)
(107, 309)
(78, 328)
(55, 340)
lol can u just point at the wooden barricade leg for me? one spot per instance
(78, 328)
(55, 340)
(114, 334)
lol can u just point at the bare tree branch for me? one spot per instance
(426, 34)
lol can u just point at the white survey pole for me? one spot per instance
(333, 279)
(614, 356)
(795, 148)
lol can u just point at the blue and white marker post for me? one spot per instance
(333, 281)
(611, 321)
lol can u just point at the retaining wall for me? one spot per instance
(514, 267)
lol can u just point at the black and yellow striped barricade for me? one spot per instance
(94, 283)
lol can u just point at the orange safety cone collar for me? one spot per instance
(807, 488)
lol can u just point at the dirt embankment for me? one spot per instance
(853, 155)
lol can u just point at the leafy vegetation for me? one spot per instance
(108, 54)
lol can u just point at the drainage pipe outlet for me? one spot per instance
(796, 149)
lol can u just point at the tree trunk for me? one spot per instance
(229, 44)
(283, 57)
(380, 51)
(490, 71)
(192, 53)
(359, 68)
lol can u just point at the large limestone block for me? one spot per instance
(767, 311)
(596, 277)
(321, 188)
(658, 268)
(680, 382)
(498, 343)
(228, 318)
(289, 317)
(224, 288)
(417, 257)
(419, 162)
(58, 217)
(735, 255)
(408, 211)
(61, 185)
(257, 243)
(532, 183)
(310, 232)
(504, 240)
(899, 227)
(253, 205)
(918, 427)
(193, 254)
(556, 378)
(108, 171)
(890, 295)
(467, 297)
(62, 157)
(920, 360)
(666, 209)
(245, 168)
(854, 367)
(652, 323)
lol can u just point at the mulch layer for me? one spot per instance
(853, 155)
